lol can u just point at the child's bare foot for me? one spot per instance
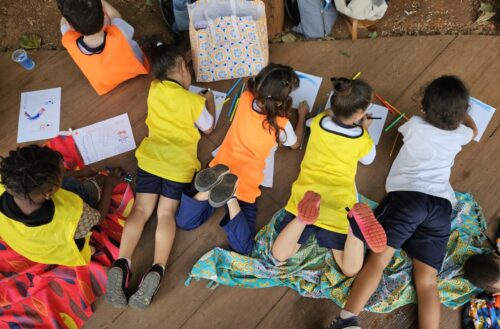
(309, 208)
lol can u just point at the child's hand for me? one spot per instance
(208, 94)
(115, 177)
(366, 122)
(88, 171)
(303, 109)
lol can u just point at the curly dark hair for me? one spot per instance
(349, 96)
(483, 271)
(272, 87)
(85, 16)
(445, 102)
(27, 169)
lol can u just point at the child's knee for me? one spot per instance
(425, 281)
(351, 269)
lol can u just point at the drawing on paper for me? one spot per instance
(307, 91)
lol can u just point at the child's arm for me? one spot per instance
(85, 172)
(299, 128)
(210, 105)
(113, 179)
(110, 10)
(469, 122)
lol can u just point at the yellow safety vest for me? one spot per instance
(170, 150)
(329, 168)
(51, 243)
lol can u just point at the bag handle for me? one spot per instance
(211, 24)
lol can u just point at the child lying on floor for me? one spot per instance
(46, 216)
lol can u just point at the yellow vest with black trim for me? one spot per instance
(329, 168)
(51, 243)
(171, 149)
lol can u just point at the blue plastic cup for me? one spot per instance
(21, 56)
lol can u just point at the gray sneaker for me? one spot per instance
(351, 323)
(147, 288)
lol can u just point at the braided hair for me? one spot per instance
(29, 168)
(272, 87)
(349, 96)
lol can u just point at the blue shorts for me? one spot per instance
(418, 223)
(325, 238)
(149, 183)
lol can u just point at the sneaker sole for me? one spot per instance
(221, 193)
(210, 177)
(142, 298)
(114, 292)
(369, 226)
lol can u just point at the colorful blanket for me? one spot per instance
(36, 295)
(312, 272)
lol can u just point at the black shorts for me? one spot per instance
(149, 183)
(325, 238)
(418, 223)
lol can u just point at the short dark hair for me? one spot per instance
(349, 96)
(483, 271)
(27, 169)
(163, 57)
(85, 16)
(445, 102)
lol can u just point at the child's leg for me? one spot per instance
(141, 212)
(165, 230)
(367, 280)
(286, 244)
(239, 225)
(193, 212)
(350, 260)
(429, 307)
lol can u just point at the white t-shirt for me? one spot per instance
(125, 28)
(205, 120)
(425, 160)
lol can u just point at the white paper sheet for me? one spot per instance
(481, 113)
(268, 169)
(39, 115)
(308, 89)
(105, 139)
(218, 98)
(377, 125)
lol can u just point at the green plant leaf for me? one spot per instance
(345, 53)
(30, 41)
(373, 34)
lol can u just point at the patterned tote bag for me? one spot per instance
(228, 38)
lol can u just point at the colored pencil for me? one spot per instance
(234, 111)
(394, 122)
(394, 145)
(356, 75)
(397, 111)
(385, 104)
(222, 104)
(234, 105)
(232, 87)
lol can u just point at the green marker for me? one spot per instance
(394, 122)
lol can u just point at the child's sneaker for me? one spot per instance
(147, 288)
(350, 323)
(208, 178)
(308, 208)
(373, 233)
(117, 284)
(222, 192)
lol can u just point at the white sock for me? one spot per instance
(129, 262)
(346, 314)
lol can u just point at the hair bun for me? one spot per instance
(342, 86)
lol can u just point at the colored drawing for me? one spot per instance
(37, 106)
(482, 114)
(104, 139)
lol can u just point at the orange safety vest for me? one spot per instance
(246, 148)
(114, 65)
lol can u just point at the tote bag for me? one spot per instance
(228, 38)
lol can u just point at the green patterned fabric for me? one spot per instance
(312, 272)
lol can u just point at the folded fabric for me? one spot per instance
(312, 272)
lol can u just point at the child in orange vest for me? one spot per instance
(235, 174)
(100, 42)
(339, 140)
(46, 214)
(167, 161)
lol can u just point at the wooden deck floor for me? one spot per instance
(396, 67)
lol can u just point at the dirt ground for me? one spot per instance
(404, 17)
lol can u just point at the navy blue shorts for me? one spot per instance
(325, 238)
(418, 223)
(149, 183)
